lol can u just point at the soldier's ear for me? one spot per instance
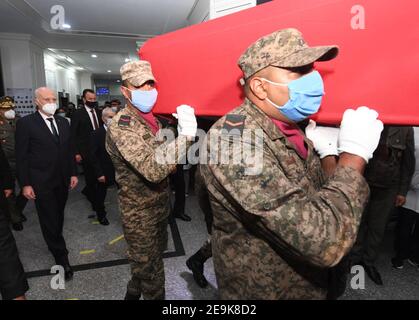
(125, 92)
(258, 87)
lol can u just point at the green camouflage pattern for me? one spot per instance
(143, 197)
(276, 234)
(137, 72)
(284, 48)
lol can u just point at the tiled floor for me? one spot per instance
(104, 272)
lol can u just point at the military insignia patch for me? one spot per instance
(146, 136)
(124, 121)
(234, 124)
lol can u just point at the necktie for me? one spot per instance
(96, 125)
(54, 130)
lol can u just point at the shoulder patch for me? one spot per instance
(146, 136)
(234, 124)
(124, 121)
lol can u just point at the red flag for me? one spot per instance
(377, 65)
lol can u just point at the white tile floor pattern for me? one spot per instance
(103, 272)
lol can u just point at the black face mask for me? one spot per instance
(92, 104)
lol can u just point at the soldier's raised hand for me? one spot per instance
(187, 125)
(360, 132)
(325, 139)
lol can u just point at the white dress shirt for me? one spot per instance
(45, 117)
(89, 112)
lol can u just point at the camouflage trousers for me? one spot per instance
(145, 252)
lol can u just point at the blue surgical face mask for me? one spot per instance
(306, 95)
(144, 100)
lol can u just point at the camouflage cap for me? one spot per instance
(137, 72)
(7, 103)
(284, 48)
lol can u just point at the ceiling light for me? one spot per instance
(127, 60)
(109, 71)
(118, 81)
(66, 26)
(94, 55)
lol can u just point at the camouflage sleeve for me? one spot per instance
(319, 228)
(407, 164)
(146, 157)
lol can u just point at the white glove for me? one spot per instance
(325, 139)
(187, 125)
(360, 132)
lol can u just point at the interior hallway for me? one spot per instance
(104, 272)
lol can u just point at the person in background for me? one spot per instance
(8, 119)
(46, 170)
(61, 112)
(71, 108)
(102, 163)
(83, 123)
(407, 231)
(388, 174)
(13, 283)
(116, 105)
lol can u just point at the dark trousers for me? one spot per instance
(95, 191)
(407, 235)
(178, 180)
(91, 181)
(50, 205)
(373, 225)
(16, 206)
(13, 281)
(100, 196)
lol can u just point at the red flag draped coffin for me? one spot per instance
(377, 66)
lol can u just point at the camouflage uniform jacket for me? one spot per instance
(143, 193)
(7, 140)
(276, 233)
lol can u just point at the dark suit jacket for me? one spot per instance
(81, 128)
(42, 162)
(100, 158)
(6, 180)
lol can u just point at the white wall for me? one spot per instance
(22, 61)
(62, 78)
(200, 12)
(220, 8)
(211, 9)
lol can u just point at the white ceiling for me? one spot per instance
(111, 29)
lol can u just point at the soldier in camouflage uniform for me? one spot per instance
(144, 195)
(8, 121)
(281, 223)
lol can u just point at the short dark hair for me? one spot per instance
(116, 101)
(86, 91)
(303, 69)
(126, 83)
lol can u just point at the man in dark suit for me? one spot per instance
(13, 283)
(46, 169)
(83, 122)
(102, 163)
